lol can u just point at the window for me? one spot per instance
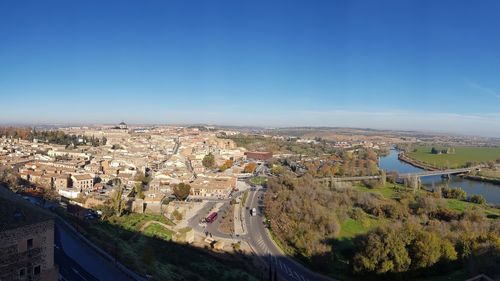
(29, 244)
(36, 270)
(22, 272)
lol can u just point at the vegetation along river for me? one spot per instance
(489, 191)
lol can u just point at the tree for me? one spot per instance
(228, 164)
(383, 250)
(117, 201)
(448, 251)
(140, 176)
(181, 191)
(208, 161)
(277, 170)
(478, 199)
(383, 178)
(325, 170)
(425, 250)
(139, 190)
(107, 211)
(371, 155)
(250, 167)
(435, 151)
(455, 193)
(116, 182)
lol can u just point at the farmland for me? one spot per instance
(458, 157)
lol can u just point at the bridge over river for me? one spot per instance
(438, 172)
(400, 176)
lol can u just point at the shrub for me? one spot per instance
(454, 193)
(357, 214)
(177, 215)
(478, 199)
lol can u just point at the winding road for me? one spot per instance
(258, 237)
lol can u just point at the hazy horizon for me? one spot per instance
(234, 125)
(398, 65)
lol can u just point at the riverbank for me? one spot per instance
(490, 191)
(454, 157)
(425, 166)
(416, 163)
(482, 179)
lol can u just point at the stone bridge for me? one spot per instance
(329, 180)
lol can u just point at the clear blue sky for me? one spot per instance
(402, 64)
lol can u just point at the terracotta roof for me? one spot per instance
(83, 177)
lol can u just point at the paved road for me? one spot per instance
(258, 238)
(69, 269)
(262, 244)
(90, 265)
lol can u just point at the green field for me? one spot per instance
(258, 180)
(351, 227)
(458, 158)
(156, 230)
(489, 173)
(390, 190)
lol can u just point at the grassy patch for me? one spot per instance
(152, 251)
(156, 230)
(458, 205)
(136, 221)
(461, 206)
(388, 191)
(258, 180)
(456, 159)
(351, 227)
(244, 198)
(489, 173)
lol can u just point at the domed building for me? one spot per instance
(123, 126)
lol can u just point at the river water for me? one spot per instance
(489, 191)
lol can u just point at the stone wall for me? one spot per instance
(17, 254)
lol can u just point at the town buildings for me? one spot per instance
(166, 155)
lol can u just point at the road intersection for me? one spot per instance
(256, 235)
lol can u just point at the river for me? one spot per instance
(489, 191)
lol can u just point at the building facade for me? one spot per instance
(26, 241)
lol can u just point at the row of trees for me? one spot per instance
(51, 136)
(411, 246)
(261, 143)
(419, 234)
(400, 248)
(359, 163)
(442, 151)
(301, 214)
(209, 163)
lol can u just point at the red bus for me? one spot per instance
(212, 217)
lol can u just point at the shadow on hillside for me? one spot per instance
(160, 259)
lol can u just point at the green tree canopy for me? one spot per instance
(181, 191)
(208, 161)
